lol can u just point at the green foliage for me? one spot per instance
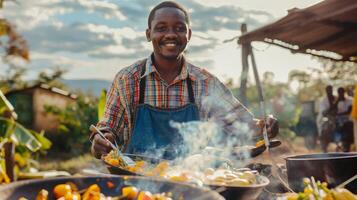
(28, 143)
(72, 133)
(101, 104)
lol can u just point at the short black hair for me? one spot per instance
(168, 4)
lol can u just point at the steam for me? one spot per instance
(215, 139)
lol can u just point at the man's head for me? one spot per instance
(341, 92)
(168, 29)
(329, 90)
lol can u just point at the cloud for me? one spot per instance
(73, 38)
(95, 31)
(107, 9)
(27, 15)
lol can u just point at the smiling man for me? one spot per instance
(164, 87)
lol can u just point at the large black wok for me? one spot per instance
(29, 189)
(333, 168)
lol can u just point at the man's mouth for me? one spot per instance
(170, 44)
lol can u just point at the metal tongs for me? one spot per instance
(127, 160)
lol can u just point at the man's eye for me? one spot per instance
(181, 29)
(160, 28)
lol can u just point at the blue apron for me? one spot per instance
(152, 134)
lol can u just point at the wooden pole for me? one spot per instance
(245, 68)
(9, 149)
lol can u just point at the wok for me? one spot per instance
(29, 189)
(333, 168)
(228, 192)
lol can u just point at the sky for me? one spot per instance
(94, 39)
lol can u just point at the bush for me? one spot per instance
(73, 132)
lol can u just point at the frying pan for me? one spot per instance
(121, 171)
(228, 192)
(29, 189)
(256, 151)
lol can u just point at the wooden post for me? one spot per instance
(245, 69)
(9, 148)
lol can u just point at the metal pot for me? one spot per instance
(333, 168)
(29, 189)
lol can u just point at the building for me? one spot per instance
(29, 104)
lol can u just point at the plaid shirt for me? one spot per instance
(211, 96)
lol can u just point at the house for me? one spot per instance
(29, 104)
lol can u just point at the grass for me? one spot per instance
(72, 165)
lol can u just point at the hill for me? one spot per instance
(92, 86)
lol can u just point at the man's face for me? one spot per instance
(169, 33)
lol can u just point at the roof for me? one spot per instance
(45, 87)
(327, 29)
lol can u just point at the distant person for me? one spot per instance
(354, 117)
(163, 87)
(326, 117)
(344, 124)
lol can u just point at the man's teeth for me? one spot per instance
(170, 44)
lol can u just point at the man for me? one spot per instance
(147, 95)
(343, 122)
(326, 118)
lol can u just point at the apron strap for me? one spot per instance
(142, 85)
(191, 96)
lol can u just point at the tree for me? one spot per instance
(51, 79)
(15, 47)
(75, 121)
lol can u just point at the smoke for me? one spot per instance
(216, 139)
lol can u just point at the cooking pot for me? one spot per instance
(333, 168)
(30, 188)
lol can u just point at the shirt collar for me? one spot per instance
(150, 68)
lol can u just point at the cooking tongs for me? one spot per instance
(127, 160)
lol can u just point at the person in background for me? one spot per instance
(354, 117)
(164, 87)
(326, 118)
(344, 124)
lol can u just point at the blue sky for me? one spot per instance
(96, 38)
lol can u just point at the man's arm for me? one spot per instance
(112, 123)
(232, 110)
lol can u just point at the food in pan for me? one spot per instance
(221, 176)
(69, 191)
(140, 167)
(315, 190)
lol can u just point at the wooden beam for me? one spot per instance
(245, 69)
(269, 30)
(330, 38)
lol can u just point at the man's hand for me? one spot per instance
(100, 146)
(272, 126)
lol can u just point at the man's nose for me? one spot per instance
(171, 33)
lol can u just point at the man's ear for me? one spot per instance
(148, 32)
(189, 34)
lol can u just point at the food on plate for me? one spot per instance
(69, 191)
(315, 190)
